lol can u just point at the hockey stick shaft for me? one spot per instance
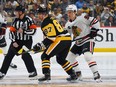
(28, 50)
(88, 35)
(80, 38)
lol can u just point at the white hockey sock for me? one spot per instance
(91, 62)
(72, 59)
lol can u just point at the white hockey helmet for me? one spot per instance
(71, 7)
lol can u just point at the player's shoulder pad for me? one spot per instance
(86, 16)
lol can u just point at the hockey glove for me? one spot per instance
(93, 32)
(37, 47)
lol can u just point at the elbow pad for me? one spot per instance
(47, 42)
(93, 32)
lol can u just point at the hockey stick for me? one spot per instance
(80, 38)
(26, 50)
(88, 35)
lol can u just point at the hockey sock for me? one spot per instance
(91, 62)
(72, 59)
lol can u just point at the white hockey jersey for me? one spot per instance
(2, 21)
(80, 27)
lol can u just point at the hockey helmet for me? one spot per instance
(42, 9)
(71, 7)
(20, 8)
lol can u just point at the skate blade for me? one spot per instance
(73, 81)
(80, 79)
(33, 78)
(46, 81)
(98, 80)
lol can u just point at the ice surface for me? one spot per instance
(106, 65)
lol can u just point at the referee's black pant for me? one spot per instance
(26, 57)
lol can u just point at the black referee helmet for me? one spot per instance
(20, 8)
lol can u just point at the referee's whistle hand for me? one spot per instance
(20, 30)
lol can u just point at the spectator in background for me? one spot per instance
(80, 3)
(73, 1)
(115, 15)
(14, 3)
(56, 4)
(58, 14)
(110, 1)
(35, 19)
(110, 22)
(79, 12)
(98, 9)
(91, 8)
(34, 8)
(85, 9)
(106, 14)
(62, 22)
(64, 4)
(114, 4)
(8, 8)
(98, 17)
(29, 2)
(32, 15)
(65, 16)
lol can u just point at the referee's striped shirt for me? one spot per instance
(28, 26)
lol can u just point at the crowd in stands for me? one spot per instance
(103, 10)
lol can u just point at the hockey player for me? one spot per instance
(84, 36)
(57, 43)
(3, 44)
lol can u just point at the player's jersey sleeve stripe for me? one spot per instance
(94, 21)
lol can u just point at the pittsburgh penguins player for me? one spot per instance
(57, 43)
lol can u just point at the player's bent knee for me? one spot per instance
(88, 56)
(71, 57)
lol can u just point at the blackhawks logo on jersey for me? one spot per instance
(76, 31)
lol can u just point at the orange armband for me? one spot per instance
(12, 29)
(33, 26)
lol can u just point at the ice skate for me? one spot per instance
(13, 66)
(72, 78)
(1, 75)
(33, 75)
(47, 78)
(97, 77)
(79, 75)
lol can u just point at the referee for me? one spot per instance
(21, 32)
